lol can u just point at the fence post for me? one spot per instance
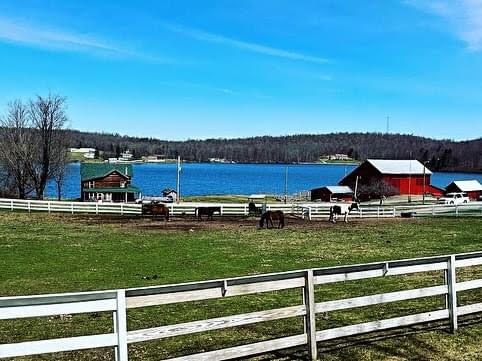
(48, 204)
(122, 209)
(114, 318)
(394, 211)
(72, 207)
(433, 210)
(28, 204)
(452, 299)
(309, 213)
(456, 210)
(121, 327)
(96, 208)
(11, 205)
(360, 213)
(245, 210)
(309, 297)
(378, 212)
(221, 212)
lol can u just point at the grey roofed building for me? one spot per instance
(404, 166)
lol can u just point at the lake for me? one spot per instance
(212, 178)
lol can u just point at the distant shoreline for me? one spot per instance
(465, 171)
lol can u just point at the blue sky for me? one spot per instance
(202, 69)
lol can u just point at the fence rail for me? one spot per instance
(311, 211)
(118, 301)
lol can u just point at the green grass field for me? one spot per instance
(46, 254)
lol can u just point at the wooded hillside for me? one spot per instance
(442, 154)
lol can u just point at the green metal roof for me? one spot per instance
(90, 171)
(129, 189)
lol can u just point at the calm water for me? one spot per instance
(207, 178)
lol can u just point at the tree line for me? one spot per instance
(33, 146)
(440, 154)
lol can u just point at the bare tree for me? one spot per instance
(48, 118)
(377, 189)
(16, 147)
(59, 159)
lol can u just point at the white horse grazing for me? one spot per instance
(341, 209)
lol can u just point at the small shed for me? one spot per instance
(472, 187)
(332, 193)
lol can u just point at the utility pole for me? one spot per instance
(423, 196)
(356, 188)
(286, 184)
(178, 182)
(410, 179)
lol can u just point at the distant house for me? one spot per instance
(472, 187)
(332, 193)
(405, 176)
(339, 157)
(88, 153)
(156, 158)
(127, 155)
(107, 182)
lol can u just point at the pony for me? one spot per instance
(269, 216)
(206, 211)
(156, 209)
(342, 209)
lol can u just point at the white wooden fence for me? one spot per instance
(118, 301)
(69, 207)
(311, 211)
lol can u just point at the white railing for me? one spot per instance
(311, 211)
(118, 301)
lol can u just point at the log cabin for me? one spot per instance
(107, 182)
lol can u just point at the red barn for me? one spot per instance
(472, 187)
(406, 176)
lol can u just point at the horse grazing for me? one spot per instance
(269, 216)
(156, 209)
(207, 211)
(341, 209)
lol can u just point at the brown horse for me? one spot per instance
(156, 209)
(207, 211)
(269, 216)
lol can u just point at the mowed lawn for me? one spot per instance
(42, 253)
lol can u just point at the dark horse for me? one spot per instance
(341, 209)
(207, 211)
(269, 216)
(156, 209)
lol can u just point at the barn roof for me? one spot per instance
(468, 185)
(99, 170)
(405, 166)
(339, 189)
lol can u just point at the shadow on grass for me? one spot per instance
(405, 345)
